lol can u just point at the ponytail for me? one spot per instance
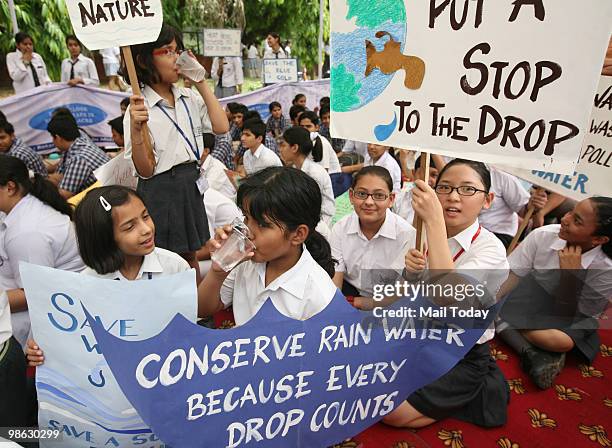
(304, 140)
(320, 250)
(48, 193)
(317, 149)
(603, 207)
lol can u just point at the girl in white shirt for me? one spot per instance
(26, 68)
(295, 148)
(116, 238)
(329, 160)
(291, 263)
(78, 69)
(475, 389)
(560, 284)
(37, 229)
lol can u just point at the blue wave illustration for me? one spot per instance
(55, 391)
(384, 131)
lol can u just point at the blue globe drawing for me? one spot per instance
(351, 88)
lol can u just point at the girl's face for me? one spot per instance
(326, 119)
(461, 211)
(301, 101)
(308, 125)
(26, 46)
(579, 225)
(277, 112)
(288, 152)
(272, 41)
(369, 210)
(271, 241)
(164, 61)
(376, 151)
(74, 48)
(133, 228)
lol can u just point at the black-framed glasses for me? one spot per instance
(464, 190)
(363, 195)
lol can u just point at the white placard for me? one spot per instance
(222, 42)
(118, 171)
(506, 81)
(280, 70)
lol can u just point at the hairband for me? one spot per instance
(105, 205)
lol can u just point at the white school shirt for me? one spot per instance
(357, 255)
(329, 161)
(156, 264)
(6, 330)
(21, 74)
(360, 148)
(169, 146)
(483, 259)
(262, 158)
(538, 254)
(110, 55)
(387, 161)
(214, 172)
(84, 68)
(510, 198)
(321, 177)
(403, 202)
(219, 210)
(300, 293)
(35, 233)
(232, 71)
(269, 54)
(253, 53)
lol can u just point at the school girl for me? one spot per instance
(310, 121)
(295, 149)
(475, 389)
(299, 100)
(26, 68)
(292, 262)
(560, 283)
(370, 238)
(176, 118)
(37, 229)
(116, 237)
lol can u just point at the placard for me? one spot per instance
(222, 42)
(280, 70)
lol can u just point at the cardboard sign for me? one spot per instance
(508, 81)
(222, 42)
(118, 171)
(594, 171)
(280, 70)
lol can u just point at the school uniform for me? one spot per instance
(387, 161)
(156, 264)
(360, 148)
(277, 126)
(214, 172)
(81, 67)
(231, 77)
(110, 60)
(26, 75)
(321, 177)
(403, 202)
(475, 390)
(357, 257)
(219, 209)
(171, 194)
(510, 197)
(330, 160)
(260, 159)
(532, 304)
(79, 163)
(300, 293)
(27, 155)
(35, 233)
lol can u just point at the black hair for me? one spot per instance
(374, 170)
(94, 228)
(240, 109)
(125, 102)
(480, 168)
(209, 141)
(117, 124)
(234, 107)
(310, 115)
(324, 110)
(273, 105)
(62, 126)
(257, 127)
(15, 170)
(74, 38)
(324, 101)
(301, 137)
(7, 127)
(289, 198)
(143, 55)
(63, 112)
(277, 37)
(21, 36)
(2, 116)
(298, 97)
(296, 110)
(604, 221)
(417, 162)
(252, 114)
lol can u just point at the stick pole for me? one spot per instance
(420, 225)
(520, 230)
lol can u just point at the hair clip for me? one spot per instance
(31, 174)
(105, 205)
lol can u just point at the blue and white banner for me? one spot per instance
(92, 107)
(284, 93)
(77, 393)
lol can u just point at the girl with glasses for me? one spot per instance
(475, 389)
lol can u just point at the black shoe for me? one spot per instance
(542, 366)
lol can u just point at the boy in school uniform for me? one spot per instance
(13, 146)
(213, 170)
(78, 69)
(379, 155)
(258, 156)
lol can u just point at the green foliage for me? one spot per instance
(345, 89)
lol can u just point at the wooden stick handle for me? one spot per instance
(520, 230)
(131, 69)
(420, 225)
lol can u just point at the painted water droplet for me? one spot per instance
(384, 131)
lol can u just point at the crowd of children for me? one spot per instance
(200, 167)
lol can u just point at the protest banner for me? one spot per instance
(279, 382)
(506, 82)
(222, 42)
(260, 99)
(594, 170)
(30, 112)
(77, 392)
(280, 70)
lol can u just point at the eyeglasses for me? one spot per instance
(167, 52)
(362, 195)
(464, 190)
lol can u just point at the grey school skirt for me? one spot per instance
(177, 208)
